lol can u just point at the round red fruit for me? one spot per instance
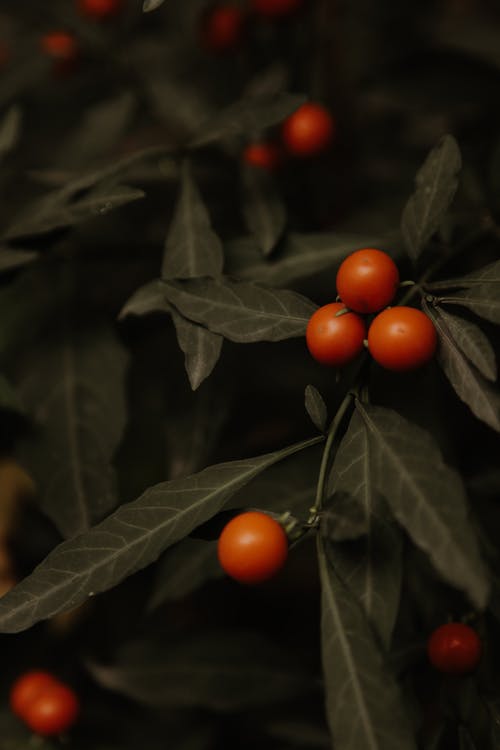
(53, 711)
(263, 155)
(60, 46)
(252, 548)
(222, 28)
(27, 688)
(334, 339)
(402, 338)
(275, 8)
(308, 131)
(367, 280)
(100, 10)
(454, 648)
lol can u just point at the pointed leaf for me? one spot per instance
(201, 348)
(248, 116)
(472, 342)
(75, 391)
(263, 208)
(372, 566)
(11, 258)
(430, 505)
(149, 298)
(149, 5)
(316, 407)
(131, 538)
(360, 713)
(484, 300)
(192, 248)
(221, 671)
(241, 311)
(9, 130)
(436, 185)
(489, 274)
(183, 568)
(480, 396)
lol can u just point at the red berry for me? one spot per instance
(402, 338)
(100, 10)
(60, 46)
(367, 280)
(263, 155)
(335, 339)
(53, 711)
(275, 8)
(454, 648)
(252, 548)
(309, 130)
(26, 688)
(222, 28)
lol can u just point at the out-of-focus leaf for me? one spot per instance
(11, 258)
(131, 538)
(10, 127)
(371, 566)
(472, 342)
(316, 407)
(466, 741)
(436, 185)
(484, 300)
(247, 117)
(487, 275)
(299, 732)
(480, 396)
(149, 5)
(241, 311)
(192, 248)
(179, 103)
(431, 506)
(201, 348)
(147, 299)
(183, 568)
(363, 704)
(263, 208)
(9, 399)
(75, 391)
(222, 671)
(303, 255)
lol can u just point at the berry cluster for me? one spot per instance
(399, 338)
(47, 706)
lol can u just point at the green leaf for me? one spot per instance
(75, 391)
(480, 396)
(11, 258)
(471, 341)
(436, 185)
(183, 568)
(363, 704)
(430, 505)
(201, 348)
(263, 208)
(149, 5)
(192, 248)
(248, 116)
(489, 274)
(302, 256)
(316, 407)
(372, 566)
(241, 311)
(222, 671)
(149, 298)
(484, 300)
(10, 128)
(131, 538)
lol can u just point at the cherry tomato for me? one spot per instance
(454, 648)
(28, 687)
(309, 130)
(335, 340)
(367, 280)
(275, 8)
(100, 10)
(222, 28)
(402, 338)
(252, 548)
(262, 154)
(53, 710)
(61, 46)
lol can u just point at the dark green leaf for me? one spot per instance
(263, 208)
(430, 505)
(10, 258)
(201, 348)
(222, 671)
(241, 311)
(436, 185)
(303, 256)
(183, 568)
(487, 275)
(472, 342)
(147, 299)
(131, 538)
(342, 520)
(479, 395)
(9, 130)
(363, 704)
(248, 116)
(192, 248)
(372, 566)
(484, 300)
(75, 391)
(149, 5)
(316, 407)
